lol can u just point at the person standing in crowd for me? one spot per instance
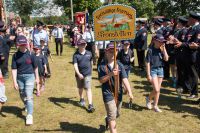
(180, 34)
(88, 36)
(42, 68)
(140, 43)
(158, 26)
(101, 46)
(4, 50)
(38, 33)
(58, 34)
(155, 58)
(126, 56)
(106, 73)
(76, 36)
(25, 73)
(82, 60)
(167, 29)
(3, 97)
(191, 44)
(46, 52)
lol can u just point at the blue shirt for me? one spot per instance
(46, 52)
(154, 56)
(37, 35)
(125, 58)
(25, 63)
(84, 62)
(106, 88)
(41, 61)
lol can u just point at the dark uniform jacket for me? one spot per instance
(140, 41)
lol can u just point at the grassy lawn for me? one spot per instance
(57, 109)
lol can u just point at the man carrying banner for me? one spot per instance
(107, 73)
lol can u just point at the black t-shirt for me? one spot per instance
(46, 52)
(106, 88)
(154, 57)
(41, 61)
(25, 63)
(84, 62)
(125, 58)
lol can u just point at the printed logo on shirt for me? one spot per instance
(28, 61)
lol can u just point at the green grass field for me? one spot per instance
(57, 110)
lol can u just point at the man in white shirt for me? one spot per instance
(88, 36)
(58, 34)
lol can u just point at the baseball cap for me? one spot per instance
(81, 41)
(111, 46)
(21, 41)
(160, 38)
(36, 47)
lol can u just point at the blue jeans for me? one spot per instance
(26, 86)
(157, 72)
(128, 71)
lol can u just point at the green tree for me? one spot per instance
(174, 8)
(79, 5)
(144, 8)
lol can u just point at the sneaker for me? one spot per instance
(91, 108)
(148, 103)
(156, 109)
(82, 102)
(29, 119)
(2, 114)
(106, 121)
(192, 96)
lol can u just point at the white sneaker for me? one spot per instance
(148, 103)
(156, 109)
(29, 119)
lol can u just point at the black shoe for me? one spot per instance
(106, 120)
(192, 96)
(3, 115)
(91, 108)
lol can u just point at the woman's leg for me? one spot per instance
(156, 90)
(29, 86)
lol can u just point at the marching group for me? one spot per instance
(174, 46)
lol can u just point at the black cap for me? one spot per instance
(166, 20)
(160, 38)
(182, 19)
(194, 15)
(158, 22)
(39, 23)
(141, 22)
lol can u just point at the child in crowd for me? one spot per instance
(42, 68)
(126, 57)
(155, 58)
(3, 97)
(46, 53)
(82, 60)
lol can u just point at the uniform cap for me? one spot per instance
(81, 41)
(182, 20)
(194, 15)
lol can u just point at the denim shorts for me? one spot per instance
(157, 72)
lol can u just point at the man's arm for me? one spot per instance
(128, 87)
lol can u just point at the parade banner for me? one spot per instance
(114, 22)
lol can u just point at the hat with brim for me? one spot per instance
(166, 20)
(141, 22)
(39, 23)
(81, 41)
(157, 22)
(126, 42)
(36, 47)
(42, 39)
(194, 15)
(21, 41)
(111, 46)
(160, 38)
(182, 20)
